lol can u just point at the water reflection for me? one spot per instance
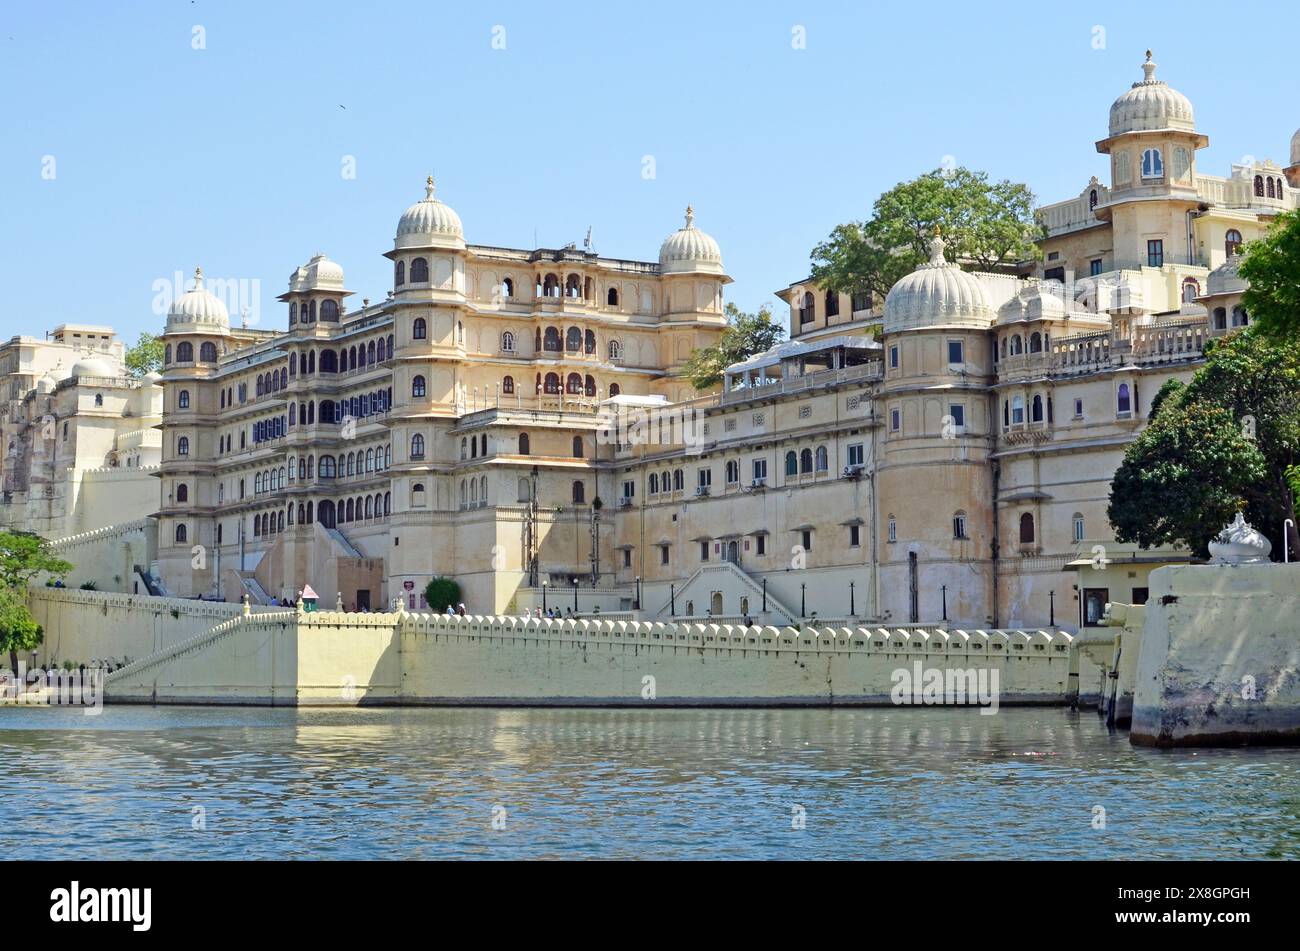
(628, 783)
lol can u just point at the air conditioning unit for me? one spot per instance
(758, 484)
(853, 472)
(624, 502)
(702, 490)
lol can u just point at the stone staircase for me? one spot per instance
(730, 578)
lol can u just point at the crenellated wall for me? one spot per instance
(284, 657)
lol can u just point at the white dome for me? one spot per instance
(153, 378)
(1295, 148)
(1151, 104)
(198, 311)
(320, 273)
(1037, 300)
(1225, 279)
(47, 383)
(689, 249)
(429, 223)
(93, 366)
(937, 294)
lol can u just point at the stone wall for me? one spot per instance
(108, 556)
(1219, 662)
(324, 658)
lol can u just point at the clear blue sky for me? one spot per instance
(230, 157)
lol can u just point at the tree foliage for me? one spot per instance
(441, 592)
(1223, 443)
(744, 336)
(1272, 266)
(23, 556)
(18, 629)
(146, 356)
(988, 224)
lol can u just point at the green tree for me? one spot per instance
(146, 356)
(441, 592)
(1272, 266)
(18, 629)
(987, 224)
(744, 336)
(1223, 443)
(23, 556)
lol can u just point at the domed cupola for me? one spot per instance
(938, 294)
(47, 383)
(93, 366)
(1225, 278)
(1295, 148)
(1037, 300)
(198, 311)
(689, 250)
(429, 223)
(1150, 105)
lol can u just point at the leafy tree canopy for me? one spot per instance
(744, 336)
(23, 556)
(1272, 266)
(1223, 443)
(18, 629)
(988, 224)
(146, 356)
(441, 592)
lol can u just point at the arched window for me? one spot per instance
(508, 385)
(1153, 164)
(508, 342)
(1018, 410)
(579, 493)
(1124, 402)
(419, 329)
(419, 271)
(1232, 242)
(589, 342)
(183, 399)
(614, 389)
(1259, 186)
(1220, 318)
(185, 352)
(552, 384)
(329, 310)
(809, 309)
(678, 480)
(615, 350)
(182, 493)
(805, 460)
(183, 446)
(1035, 342)
(654, 483)
(1078, 527)
(822, 461)
(832, 304)
(1191, 290)
(577, 447)
(507, 288)
(417, 386)
(551, 341)
(589, 385)
(523, 444)
(1092, 199)
(573, 340)
(167, 354)
(311, 310)
(399, 274)
(1026, 528)
(1017, 346)
(1036, 409)
(182, 535)
(417, 446)
(573, 384)
(208, 352)
(791, 463)
(1270, 188)
(611, 298)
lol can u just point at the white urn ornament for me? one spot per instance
(1239, 544)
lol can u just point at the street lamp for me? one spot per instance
(575, 595)
(637, 605)
(544, 583)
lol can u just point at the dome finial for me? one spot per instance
(198, 278)
(428, 187)
(690, 217)
(936, 247)
(1149, 69)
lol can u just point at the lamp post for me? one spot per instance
(637, 605)
(544, 585)
(764, 595)
(575, 595)
(1051, 609)
(672, 600)
(1286, 541)
(852, 612)
(803, 599)
(943, 590)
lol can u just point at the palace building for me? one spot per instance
(514, 419)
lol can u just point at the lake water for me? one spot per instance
(193, 782)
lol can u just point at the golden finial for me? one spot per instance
(690, 216)
(1148, 56)
(428, 187)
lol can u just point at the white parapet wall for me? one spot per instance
(1219, 662)
(330, 658)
